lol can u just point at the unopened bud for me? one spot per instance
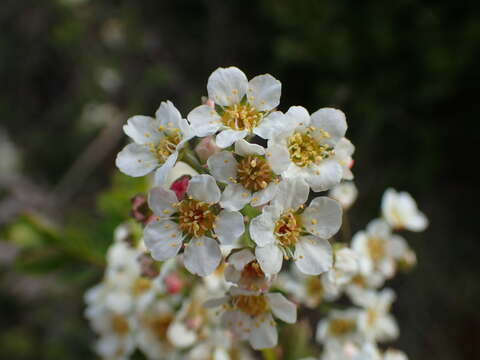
(206, 148)
(173, 283)
(180, 186)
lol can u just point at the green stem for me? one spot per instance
(269, 354)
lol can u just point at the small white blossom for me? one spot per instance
(345, 193)
(401, 212)
(339, 328)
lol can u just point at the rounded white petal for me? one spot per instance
(142, 129)
(163, 239)
(265, 195)
(387, 328)
(241, 258)
(264, 92)
(162, 201)
(274, 125)
(313, 255)
(227, 86)
(323, 217)
(270, 258)
(213, 303)
(180, 336)
(229, 227)
(162, 173)
(202, 256)
(346, 193)
(325, 175)
(282, 308)
(418, 222)
(298, 116)
(227, 137)
(168, 115)
(204, 121)
(181, 168)
(278, 157)
(264, 333)
(332, 121)
(238, 322)
(204, 188)
(235, 197)
(223, 166)
(262, 227)
(136, 160)
(291, 194)
(244, 148)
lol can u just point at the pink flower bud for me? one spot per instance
(173, 283)
(206, 148)
(180, 186)
(210, 103)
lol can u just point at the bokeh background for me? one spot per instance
(72, 71)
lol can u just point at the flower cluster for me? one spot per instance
(234, 237)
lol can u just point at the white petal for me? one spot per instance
(202, 256)
(274, 125)
(262, 227)
(332, 121)
(163, 239)
(313, 255)
(168, 115)
(323, 217)
(227, 86)
(264, 92)
(282, 308)
(229, 227)
(270, 258)
(244, 148)
(264, 333)
(278, 157)
(142, 129)
(163, 171)
(238, 322)
(418, 222)
(387, 328)
(204, 188)
(325, 175)
(298, 116)
(291, 194)
(136, 160)
(204, 120)
(223, 166)
(241, 258)
(235, 197)
(161, 201)
(264, 196)
(180, 336)
(228, 137)
(213, 303)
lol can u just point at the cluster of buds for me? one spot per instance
(241, 223)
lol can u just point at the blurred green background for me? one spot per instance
(72, 71)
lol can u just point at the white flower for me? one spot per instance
(249, 315)
(311, 147)
(401, 212)
(351, 351)
(248, 174)
(345, 266)
(283, 230)
(156, 143)
(242, 107)
(345, 193)
(394, 354)
(375, 321)
(339, 328)
(197, 218)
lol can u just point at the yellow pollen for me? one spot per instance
(371, 317)
(166, 146)
(141, 285)
(376, 248)
(195, 217)
(159, 326)
(339, 327)
(254, 173)
(120, 325)
(288, 229)
(241, 117)
(314, 286)
(305, 150)
(252, 305)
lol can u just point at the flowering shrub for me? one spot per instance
(235, 238)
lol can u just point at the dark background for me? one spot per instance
(405, 73)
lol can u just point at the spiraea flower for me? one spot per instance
(339, 328)
(249, 315)
(156, 143)
(241, 108)
(248, 174)
(401, 212)
(196, 221)
(345, 193)
(311, 147)
(286, 230)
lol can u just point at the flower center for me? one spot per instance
(141, 285)
(314, 286)
(252, 305)
(288, 229)
(254, 173)
(167, 145)
(339, 327)
(376, 248)
(241, 117)
(120, 325)
(371, 317)
(305, 150)
(195, 217)
(159, 326)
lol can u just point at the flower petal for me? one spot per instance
(265, 195)
(313, 255)
(227, 137)
(163, 239)
(204, 188)
(323, 217)
(229, 227)
(161, 201)
(204, 120)
(282, 308)
(325, 175)
(264, 92)
(136, 160)
(227, 86)
(264, 333)
(142, 129)
(332, 121)
(278, 157)
(244, 148)
(168, 115)
(291, 194)
(270, 258)
(202, 256)
(163, 171)
(223, 166)
(241, 258)
(262, 227)
(235, 197)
